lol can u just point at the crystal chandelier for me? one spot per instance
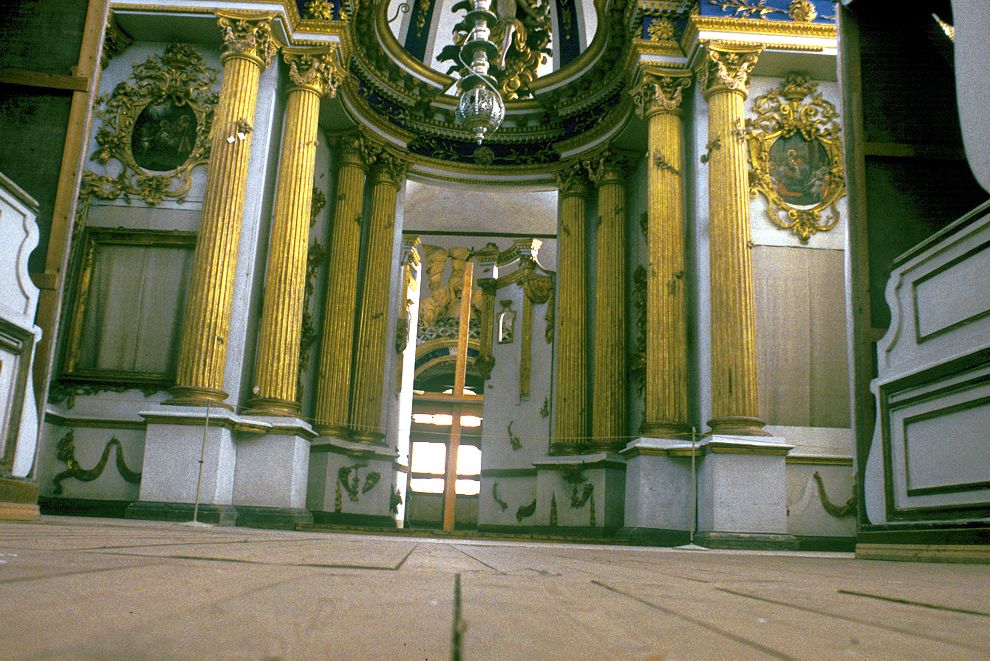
(480, 109)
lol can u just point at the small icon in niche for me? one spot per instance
(506, 323)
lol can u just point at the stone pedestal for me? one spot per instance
(658, 504)
(173, 446)
(580, 491)
(270, 476)
(351, 483)
(742, 493)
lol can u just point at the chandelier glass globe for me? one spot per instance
(480, 109)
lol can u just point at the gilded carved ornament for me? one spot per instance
(838, 511)
(662, 29)
(66, 451)
(320, 10)
(657, 93)
(523, 38)
(727, 68)
(795, 154)
(318, 72)
(115, 41)
(798, 10)
(249, 36)
(156, 126)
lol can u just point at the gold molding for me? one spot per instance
(801, 193)
(697, 24)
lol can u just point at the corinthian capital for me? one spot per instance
(726, 68)
(390, 168)
(571, 180)
(358, 150)
(317, 71)
(247, 35)
(658, 92)
(607, 166)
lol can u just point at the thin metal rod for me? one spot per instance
(202, 456)
(694, 490)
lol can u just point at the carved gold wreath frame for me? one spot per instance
(179, 75)
(796, 109)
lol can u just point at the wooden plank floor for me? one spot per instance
(110, 589)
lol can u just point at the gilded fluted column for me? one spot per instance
(571, 398)
(369, 347)
(311, 75)
(333, 386)
(658, 99)
(724, 79)
(608, 391)
(248, 49)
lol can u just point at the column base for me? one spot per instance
(332, 431)
(220, 515)
(747, 541)
(18, 499)
(660, 429)
(194, 396)
(274, 518)
(266, 406)
(737, 425)
(368, 437)
(580, 491)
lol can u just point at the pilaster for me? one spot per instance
(724, 78)
(312, 74)
(249, 48)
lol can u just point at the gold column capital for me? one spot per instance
(726, 67)
(572, 180)
(608, 166)
(659, 91)
(357, 150)
(314, 70)
(247, 35)
(389, 169)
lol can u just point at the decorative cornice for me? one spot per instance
(726, 67)
(659, 92)
(315, 70)
(247, 35)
